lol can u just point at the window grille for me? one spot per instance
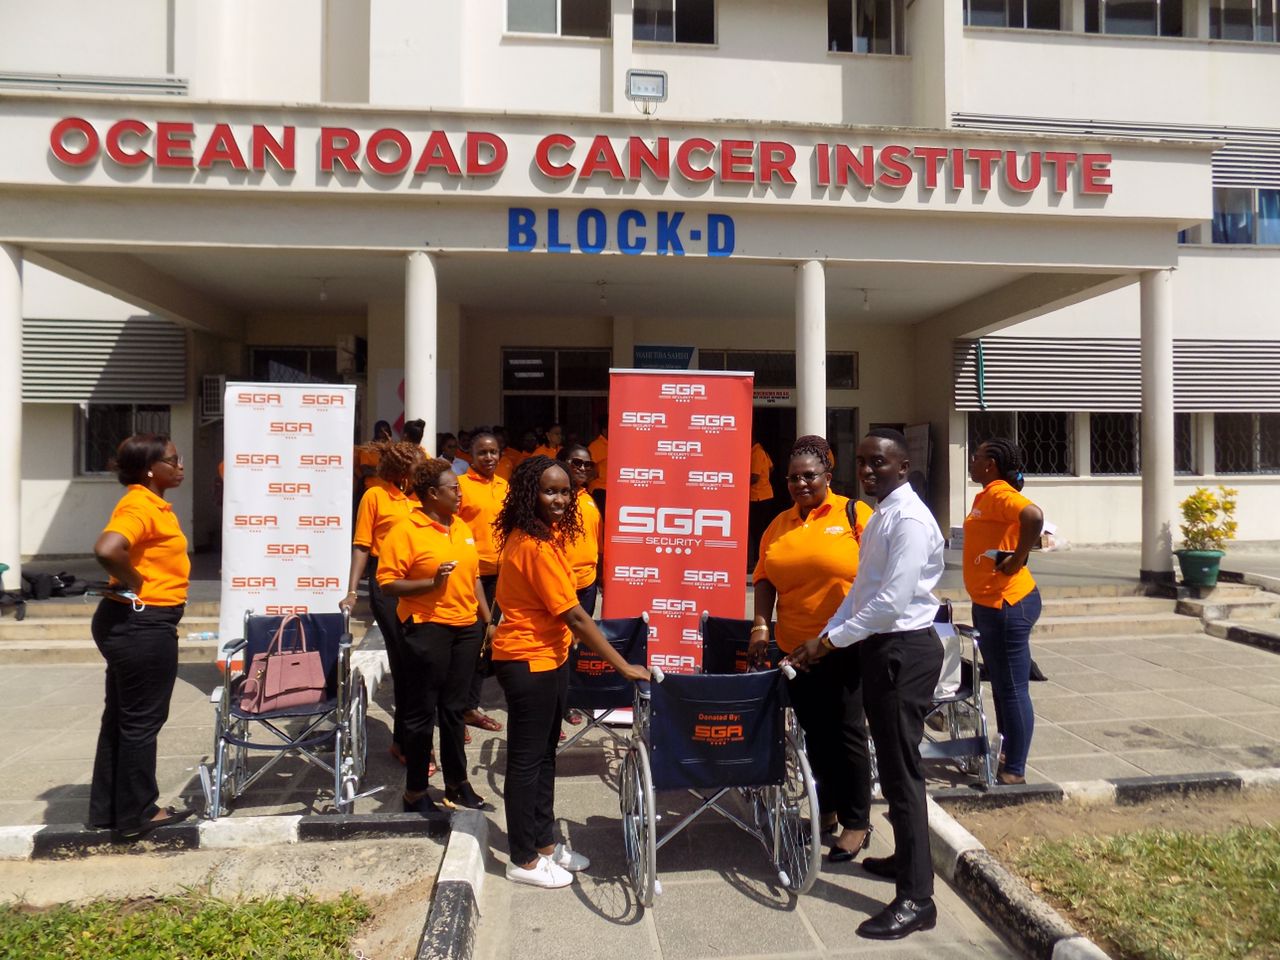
(1246, 442)
(546, 385)
(1028, 14)
(1045, 437)
(1250, 20)
(1184, 459)
(1113, 444)
(103, 426)
(866, 26)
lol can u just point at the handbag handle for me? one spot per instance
(277, 641)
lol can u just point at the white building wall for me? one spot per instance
(122, 38)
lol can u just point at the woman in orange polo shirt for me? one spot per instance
(808, 561)
(429, 562)
(483, 494)
(540, 615)
(1006, 601)
(584, 552)
(384, 504)
(136, 630)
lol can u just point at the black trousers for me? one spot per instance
(484, 665)
(899, 674)
(828, 704)
(535, 703)
(384, 614)
(141, 650)
(436, 664)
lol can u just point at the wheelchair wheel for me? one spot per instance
(235, 762)
(797, 829)
(357, 733)
(639, 828)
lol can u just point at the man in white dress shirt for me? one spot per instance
(888, 613)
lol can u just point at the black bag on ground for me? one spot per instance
(37, 586)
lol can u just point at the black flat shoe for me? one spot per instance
(171, 816)
(883, 867)
(424, 806)
(899, 919)
(840, 855)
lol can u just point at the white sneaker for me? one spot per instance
(544, 873)
(570, 860)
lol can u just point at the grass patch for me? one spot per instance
(1167, 895)
(181, 927)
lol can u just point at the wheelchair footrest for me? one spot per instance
(953, 749)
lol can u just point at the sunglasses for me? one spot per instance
(808, 477)
(580, 463)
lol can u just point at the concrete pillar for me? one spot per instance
(624, 342)
(811, 349)
(1157, 425)
(11, 413)
(420, 347)
(1082, 465)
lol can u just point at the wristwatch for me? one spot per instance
(825, 643)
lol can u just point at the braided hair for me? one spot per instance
(812, 445)
(1008, 460)
(520, 510)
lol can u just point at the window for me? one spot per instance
(567, 18)
(1115, 444)
(674, 21)
(1246, 442)
(1031, 14)
(1244, 20)
(1045, 438)
(295, 364)
(776, 369)
(1139, 18)
(542, 386)
(100, 428)
(865, 26)
(1246, 215)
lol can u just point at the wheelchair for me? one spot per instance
(727, 740)
(966, 742)
(595, 689)
(335, 725)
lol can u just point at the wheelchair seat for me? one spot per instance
(336, 723)
(724, 644)
(595, 688)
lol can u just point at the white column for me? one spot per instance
(420, 320)
(1157, 425)
(811, 349)
(11, 413)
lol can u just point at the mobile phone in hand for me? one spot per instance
(998, 556)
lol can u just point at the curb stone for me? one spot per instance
(64, 840)
(1004, 900)
(449, 932)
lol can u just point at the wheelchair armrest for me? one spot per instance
(965, 630)
(235, 647)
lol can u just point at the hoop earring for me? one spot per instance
(150, 474)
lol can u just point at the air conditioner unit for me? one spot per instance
(212, 388)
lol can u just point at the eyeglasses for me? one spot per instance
(580, 463)
(171, 461)
(807, 477)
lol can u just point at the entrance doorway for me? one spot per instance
(543, 386)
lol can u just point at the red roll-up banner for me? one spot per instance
(676, 508)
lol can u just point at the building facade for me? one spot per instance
(1055, 219)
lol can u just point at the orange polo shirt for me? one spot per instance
(510, 459)
(535, 588)
(481, 501)
(599, 450)
(992, 524)
(811, 562)
(584, 552)
(413, 550)
(761, 464)
(381, 508)
(545, 451)
(367, 456)
(157, 545)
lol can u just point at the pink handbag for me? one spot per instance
(279, 678)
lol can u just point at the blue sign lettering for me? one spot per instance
(630, 232)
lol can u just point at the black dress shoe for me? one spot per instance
(171, 816)
(840, 855)
(884, 867)
(900, 918)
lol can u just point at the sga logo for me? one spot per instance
(289, 489)
(318, 583)
(636, 576)
(643, 420)
(252, 583)
(257, 460)
(280, 610)
(712, 422)
(705, 579)
(683, 392)
(317, 522)
(320, 460)
(288, 550)
(323, 400)
(641, 476)
(255, 520)
(679, 449)
(681, 521)
(711, 479)
(259, 399)
(672, 607)
(676, 663)
(291, 427)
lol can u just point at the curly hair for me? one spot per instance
(812, 445)
(396, 459)
(426, 475)
(1008, 460)
(520, 511)
(136, 454)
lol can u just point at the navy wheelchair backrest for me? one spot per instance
(724, 645)
(712, 731)
(324, 632)
(593, 684)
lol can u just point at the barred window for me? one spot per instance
(101, 427)
(1246, 442)
(1045, 438)
(1115, 444)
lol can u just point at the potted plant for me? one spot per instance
(1208, 522)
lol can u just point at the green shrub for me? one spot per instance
(1208, 521)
